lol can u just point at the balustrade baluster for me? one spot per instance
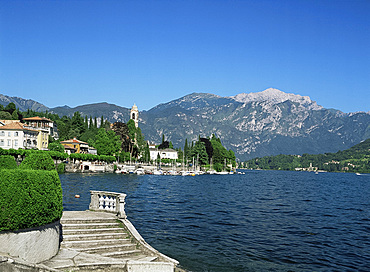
(108, 201)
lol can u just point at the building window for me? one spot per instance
(16, 134)
(15, 142)
(1, 142)
(9, 142)
(2, 133)
(9, 134)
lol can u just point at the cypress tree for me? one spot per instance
(91, 122)
(95, 122)
(186, 148)
(102, 122)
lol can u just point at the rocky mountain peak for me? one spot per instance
(275, 96)
(22, 104)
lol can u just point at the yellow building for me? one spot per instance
(75, 146)
(42, 125)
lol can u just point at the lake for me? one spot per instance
(260, 221)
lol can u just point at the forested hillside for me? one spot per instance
(354, 159)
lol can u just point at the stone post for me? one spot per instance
(94, 202)
(121, 206)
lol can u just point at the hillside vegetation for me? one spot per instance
(354, 159)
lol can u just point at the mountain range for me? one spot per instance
(252, 125)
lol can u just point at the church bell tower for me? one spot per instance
(134, 115)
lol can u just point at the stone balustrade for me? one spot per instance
(109, 202)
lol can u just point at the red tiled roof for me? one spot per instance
(37, 118)
(15, 126)
(74, 141)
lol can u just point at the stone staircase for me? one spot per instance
(104, 236)
(99, 241)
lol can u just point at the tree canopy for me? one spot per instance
(107, 142)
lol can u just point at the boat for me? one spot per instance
(222, 173)
(139, 171)
(158, 172)
(173, 173)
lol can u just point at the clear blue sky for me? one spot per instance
(151, 52)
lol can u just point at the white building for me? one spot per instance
(43, 124)
(167, 153)
(17, 135)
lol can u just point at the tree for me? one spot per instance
(146, 156)
(209, 148)
(107, 142)
(186, 149)
(86, 123)
(5, 115)
(90, 122)
(10, 108)
(121, 129)
(164, 145)
(101, 122)
(221, 155)
(132, 129)
(78, 124)
(55, 146)
(15, 115)
(199, 152)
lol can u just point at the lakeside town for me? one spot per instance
(123, 146)
(81, 138)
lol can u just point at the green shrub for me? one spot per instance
(61, 168)
(38, 161)
(7, 162)
(29, 198)
(55, 146)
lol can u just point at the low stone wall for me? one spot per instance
(32, 245)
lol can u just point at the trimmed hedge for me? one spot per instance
(29, 198)
(7, 162)
(61, 168)
(38, 161)
(58, 155)
(90, 157)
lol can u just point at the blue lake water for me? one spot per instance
(260, 221)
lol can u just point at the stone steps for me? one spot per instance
(103, 236)
(88, 221)
(95, 243)
(120, 248)
(87, 237)
(98, 241)
(123, 254)
(90, 225)
(92, 231)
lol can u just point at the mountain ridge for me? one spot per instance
(253, 125)
(22, 104)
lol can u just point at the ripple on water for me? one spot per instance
(261, 221)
